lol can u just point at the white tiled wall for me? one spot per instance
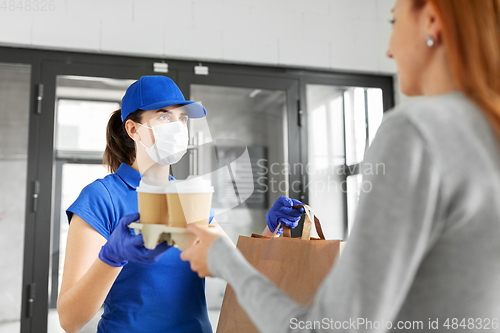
(350, 35)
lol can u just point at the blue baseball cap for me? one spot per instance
(154, 92)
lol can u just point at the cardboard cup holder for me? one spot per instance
(166, 207)
(154, 234)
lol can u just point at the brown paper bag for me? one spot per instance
(296, 265)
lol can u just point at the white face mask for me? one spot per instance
(171, 140)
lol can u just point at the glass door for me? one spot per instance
(83, 107)
(14, 123)
(244, 113)
(78, 100)
(342, 123)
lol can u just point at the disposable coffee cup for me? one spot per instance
(189, 201)
(152, 201)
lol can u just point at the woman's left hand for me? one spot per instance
(197, 252)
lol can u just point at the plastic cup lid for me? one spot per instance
(148, 185)
(190, 185)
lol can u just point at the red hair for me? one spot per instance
(471, 37)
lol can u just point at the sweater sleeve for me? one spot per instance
(396, 222)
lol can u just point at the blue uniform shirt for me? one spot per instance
(165, 296)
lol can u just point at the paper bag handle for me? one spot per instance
(286, 232)
(306, 231)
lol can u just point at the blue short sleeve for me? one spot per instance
(94, 205)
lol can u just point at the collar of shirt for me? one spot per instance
(131, 176)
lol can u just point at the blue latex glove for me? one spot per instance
(123, 247)
(282, 212)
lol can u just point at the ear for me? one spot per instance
(432, 22)
(131, 128)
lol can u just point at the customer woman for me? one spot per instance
(424, 252)
(142, 290)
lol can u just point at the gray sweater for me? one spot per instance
(424, 251)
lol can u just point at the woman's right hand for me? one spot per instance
(123, 247)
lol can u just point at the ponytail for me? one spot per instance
(120, 148)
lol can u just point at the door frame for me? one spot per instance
(46, 65)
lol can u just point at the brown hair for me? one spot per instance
(471, 36)
(120, 148)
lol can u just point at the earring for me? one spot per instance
(430, 41)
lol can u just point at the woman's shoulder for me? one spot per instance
(450, 125)
(447, 109)
(95, 206)
(103, 184)
(445, 117)
(95, 191)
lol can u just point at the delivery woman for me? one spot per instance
(423, 254)
(142, 290)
